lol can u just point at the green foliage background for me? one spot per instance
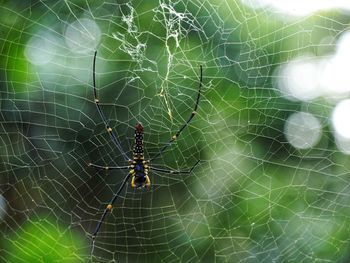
(254, 198)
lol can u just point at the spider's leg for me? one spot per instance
(175, 171)
(108, 167)
(107, 209)
(176, 135)
(97, 102)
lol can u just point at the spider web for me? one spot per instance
(269, 188)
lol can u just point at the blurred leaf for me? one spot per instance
(43, 241)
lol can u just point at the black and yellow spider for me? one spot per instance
(138, 167)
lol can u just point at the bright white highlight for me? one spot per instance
(307, 77)
(298, 7)
(302, 130)
(41, 49)
(340, 119)
(299, 79)
(343, 144)
(83, 36)
(336, 77)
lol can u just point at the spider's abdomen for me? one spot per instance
(139, 171)
(139, 174)
(138, 147)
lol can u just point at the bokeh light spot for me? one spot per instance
(308, 77)
(299, 79)
(342, 143)
(340, 119)
(41, 49)
(83, 36)
(303, 130)
(298, 7)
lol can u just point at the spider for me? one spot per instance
(138, 168)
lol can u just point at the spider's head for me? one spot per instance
(139, 128)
